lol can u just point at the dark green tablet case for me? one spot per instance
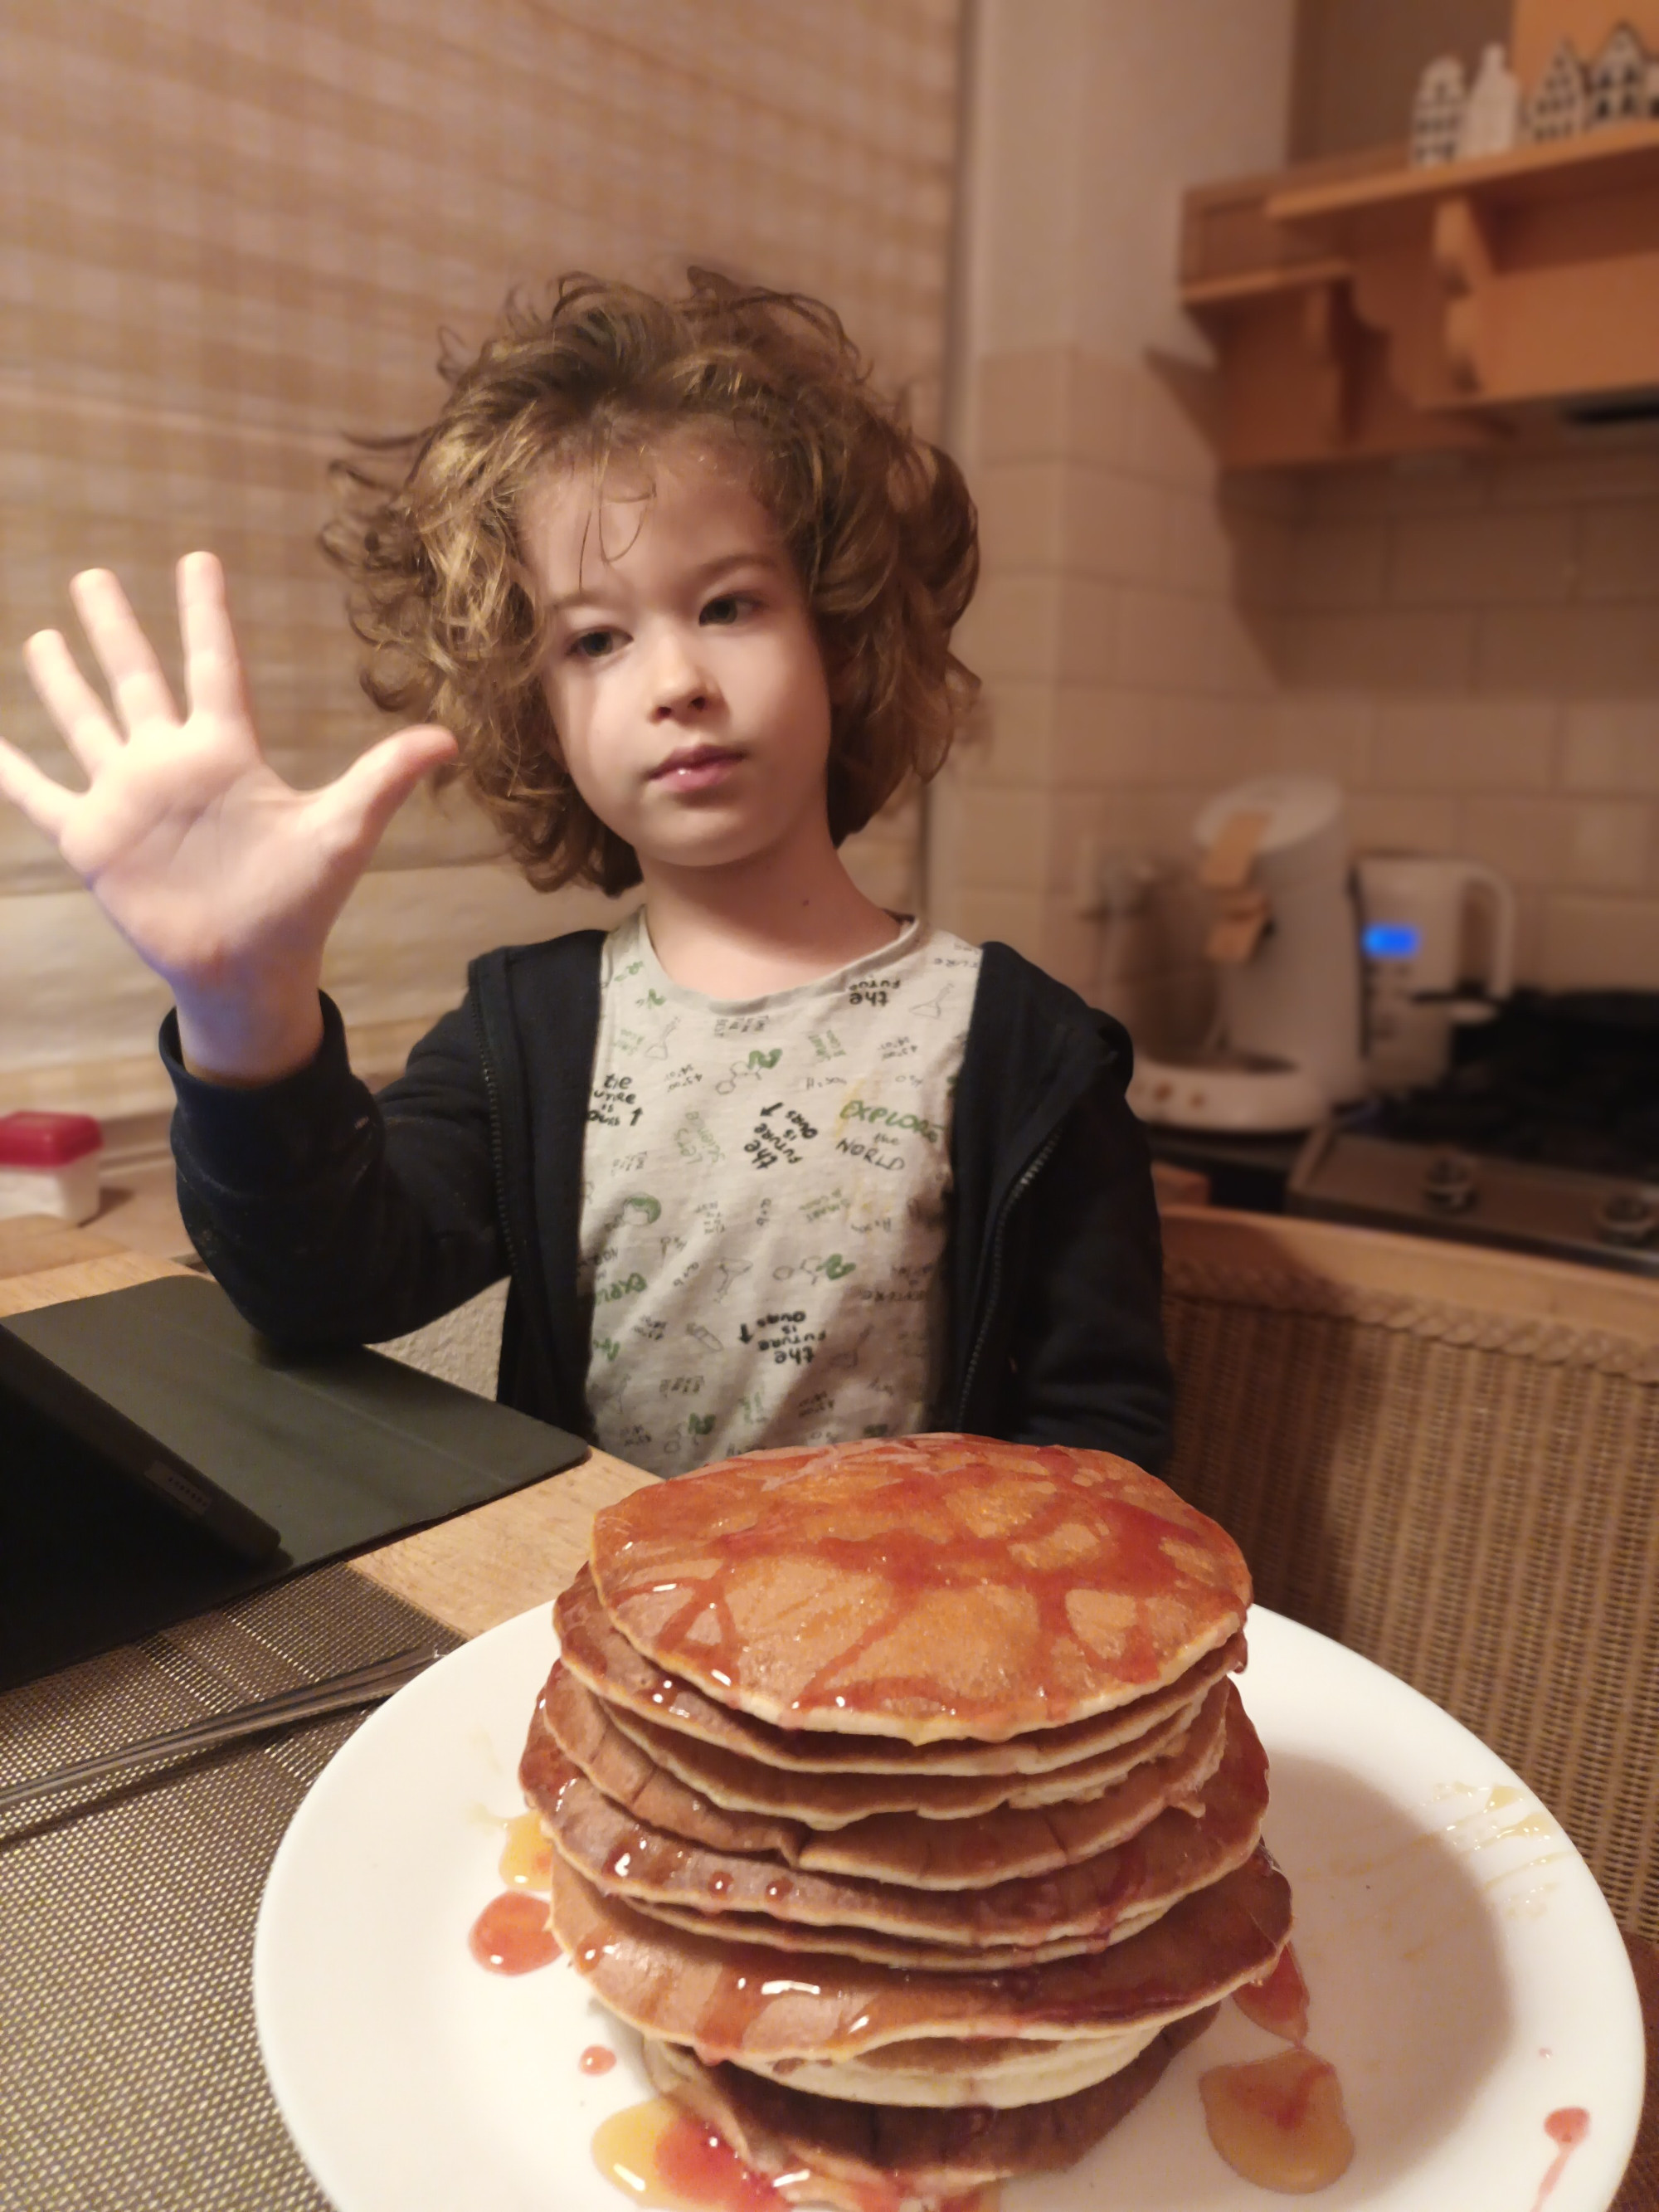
(158, 1457)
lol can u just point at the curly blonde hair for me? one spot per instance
(878, 523)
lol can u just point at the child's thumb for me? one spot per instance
(376, 784)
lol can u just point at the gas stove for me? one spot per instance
(1543, 1138)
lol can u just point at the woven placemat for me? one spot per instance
(129, 2075)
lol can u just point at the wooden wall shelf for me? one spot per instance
(1366, 309)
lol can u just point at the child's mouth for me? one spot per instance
(696, 768)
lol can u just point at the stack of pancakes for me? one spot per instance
(901, 1800)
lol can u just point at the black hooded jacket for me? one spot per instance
(331, 1216)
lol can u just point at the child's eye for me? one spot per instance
(593, 644)
(730, 607)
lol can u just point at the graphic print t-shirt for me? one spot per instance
(765, 1185)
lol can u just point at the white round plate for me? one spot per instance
(1467, 1977)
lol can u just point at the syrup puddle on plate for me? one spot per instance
(664, 2160)
(1278, 2122)
(527, 1860)
(511, 1935)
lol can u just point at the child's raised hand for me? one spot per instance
(220, 875)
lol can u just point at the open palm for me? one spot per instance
(223, 879)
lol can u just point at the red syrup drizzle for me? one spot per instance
(668, 2160)
(923, 1549)
(511, 1935)
(1567, 2126)
(598, 2058)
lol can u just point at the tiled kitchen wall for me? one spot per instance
(1474, 648)
(1123, 632)
(1471, 648)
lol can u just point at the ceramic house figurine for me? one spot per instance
(1437, 112)
(1492, 116)
(1618, 80)
(1560, 106)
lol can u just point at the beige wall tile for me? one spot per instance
(1172, 641)
(1105, 738)
(1012, 917)
(1609, 943)
(1626, 469)
(1009, 736)
(1611, 746)
(1002, 839)
(1392, 650)
(1523, 838)
(1089, 631)
(1100, 398)
(1200, 544)
(1012, 629)
(1152, 822)
(1021, 406)
(1338, 564)
(1438, 484)
(1021, 515)
(1463, 745)
(1320, 733)
(1116, 526)
(1413, 824)
(1619, 557)
(1483, 559)
(1163, 440)
(1208, 742)
(1589, 651)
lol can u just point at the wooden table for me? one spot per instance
(485, 1566)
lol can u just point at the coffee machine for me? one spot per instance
(1283, 941)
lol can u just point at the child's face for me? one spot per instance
(682, 668)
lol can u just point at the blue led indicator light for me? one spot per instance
(1392, 941)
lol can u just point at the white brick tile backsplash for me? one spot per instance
(1393, 649)
(1611, 746)
(1468, 643)
(1620, 558)
(1484, 559)
(1463, 745)
(1611, 944)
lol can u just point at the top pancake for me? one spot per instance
(920, 1587)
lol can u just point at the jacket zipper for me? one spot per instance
(497, 1151)
(1016, 1191)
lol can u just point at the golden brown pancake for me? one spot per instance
(1172, 1855)
(879, 1949)
(736, 2000)
(571, 1726)
(602, 1658)
(923, 1587)
(836, 1801)
(942, 2070)
(859, 2157)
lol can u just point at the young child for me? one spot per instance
(766, 1165)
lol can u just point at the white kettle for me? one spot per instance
(1415, 912)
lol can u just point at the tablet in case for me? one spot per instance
(158, 1457)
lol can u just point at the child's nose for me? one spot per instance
(680, 681)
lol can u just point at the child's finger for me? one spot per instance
(376, 785)
(125, 654)
(46, 804)
(214, 680)
(67, 697)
